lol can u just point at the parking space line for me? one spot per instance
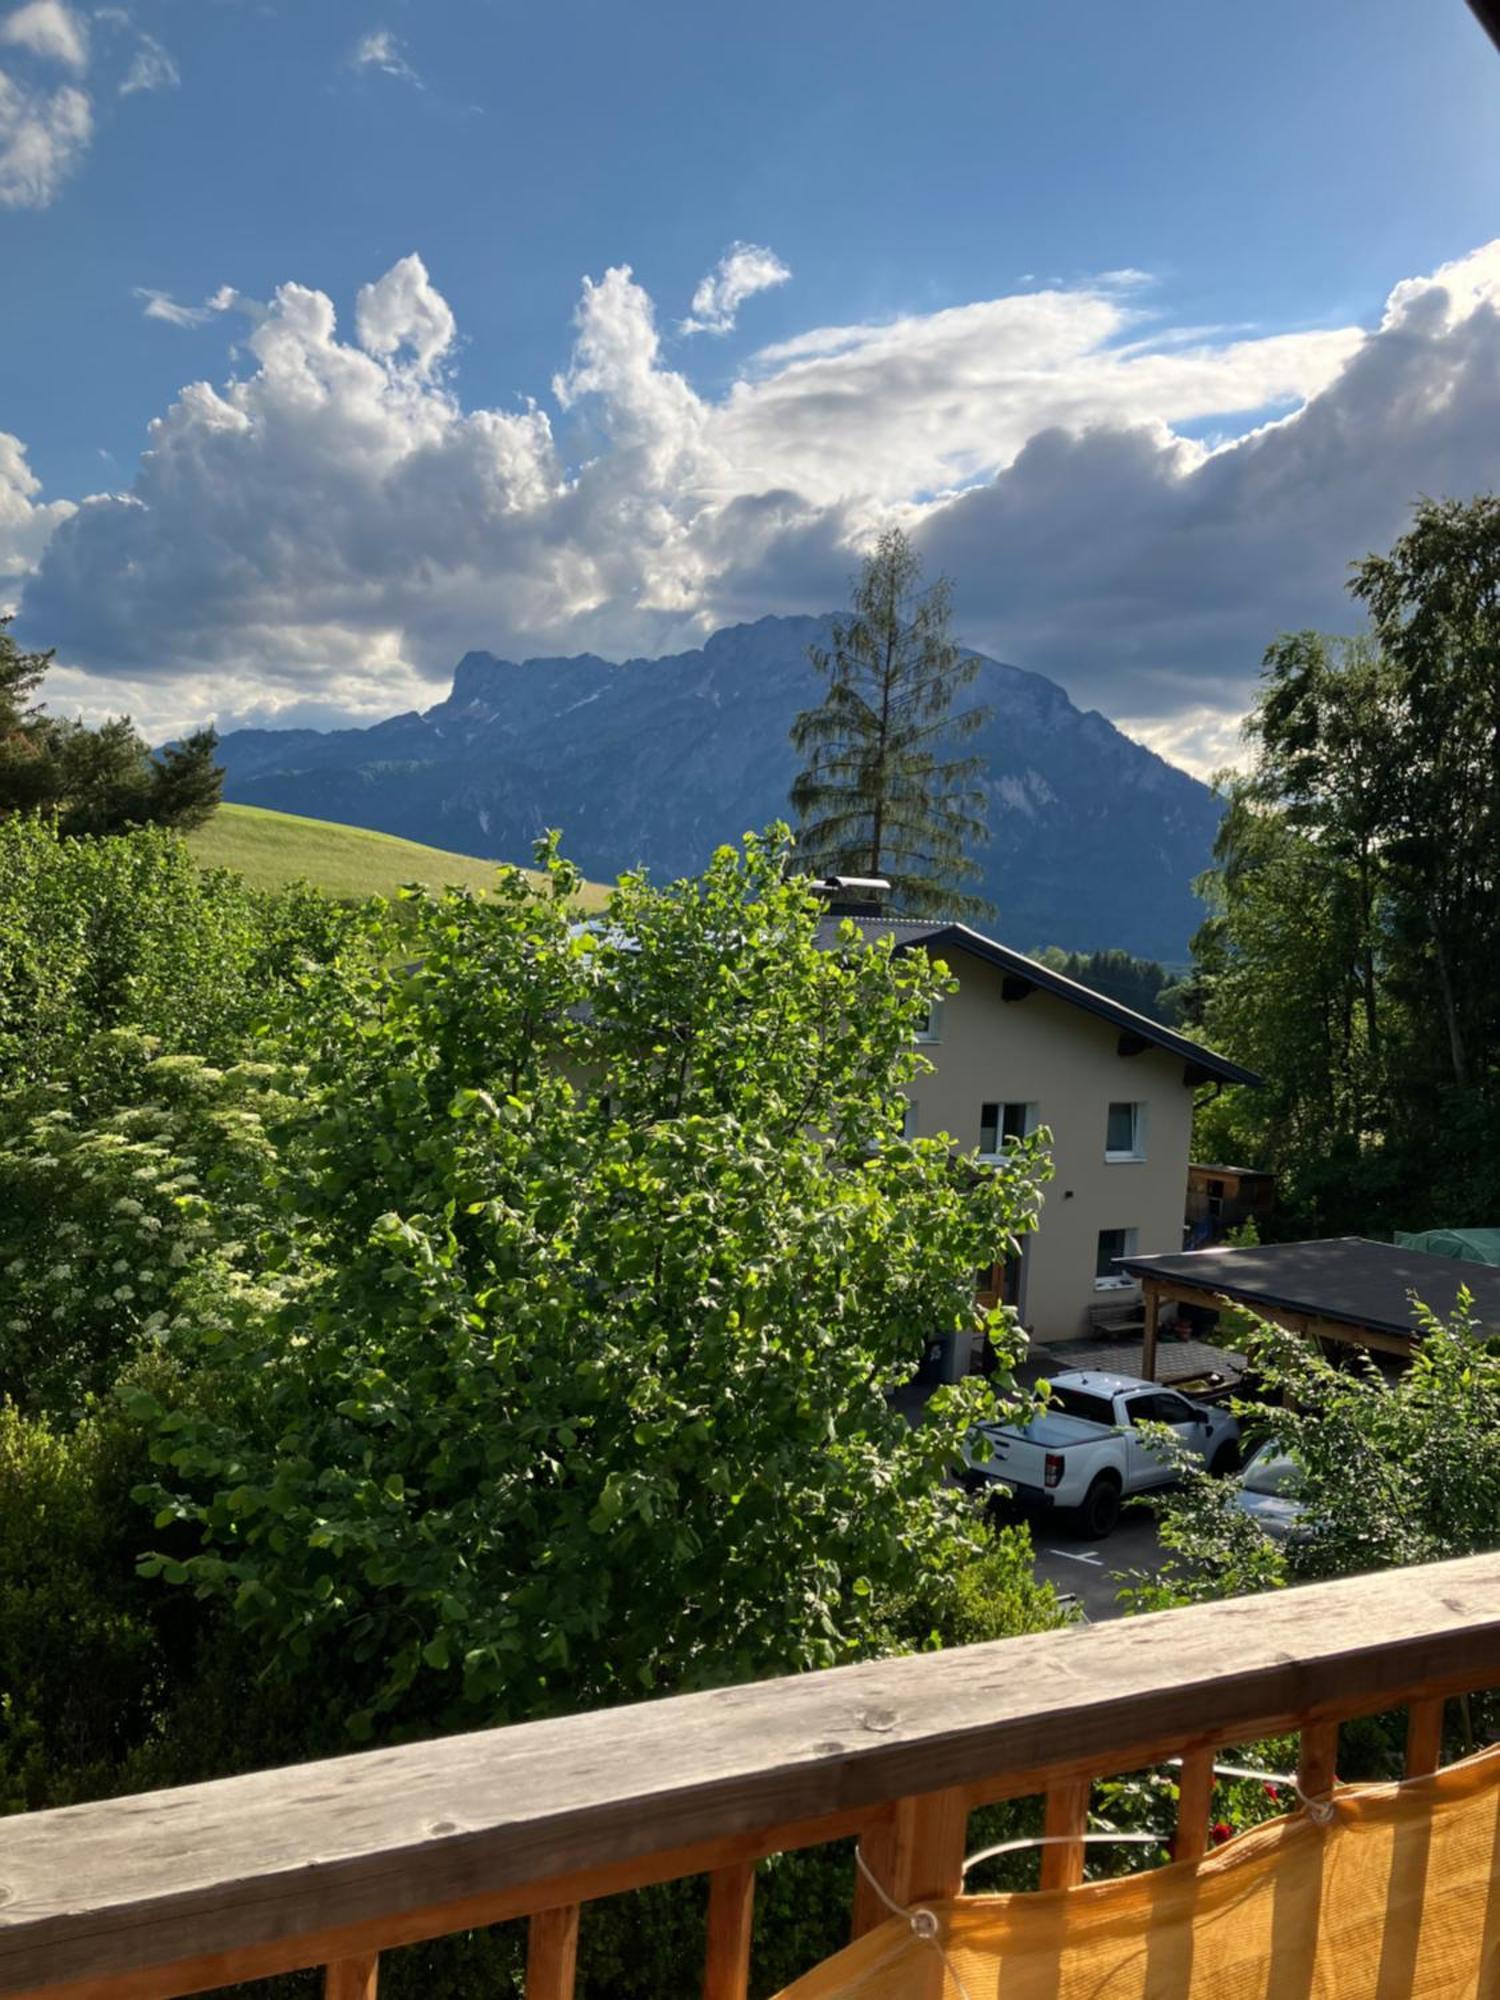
(1073, 1556)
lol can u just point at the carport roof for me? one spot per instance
(1347, 1279)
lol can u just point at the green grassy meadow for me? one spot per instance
(349, 862)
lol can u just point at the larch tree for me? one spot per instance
(879, 793)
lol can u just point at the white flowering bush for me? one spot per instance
(139, 997)
(103, 1216)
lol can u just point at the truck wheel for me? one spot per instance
(1225, 1460)
(1101, 1507)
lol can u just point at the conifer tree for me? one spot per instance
(877, 795)
(94, 780)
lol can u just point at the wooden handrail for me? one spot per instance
(331, 1863)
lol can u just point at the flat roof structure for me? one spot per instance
(1343, 1288)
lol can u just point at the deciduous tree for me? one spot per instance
(609, 1251)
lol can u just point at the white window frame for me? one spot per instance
(1117, 1281)
(1030, 1119)
(1137, 1152)
(931, 1029)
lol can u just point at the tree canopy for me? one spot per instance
(94, 780)
(879, 795)
(1391, 1468)
(1352, 953)
(574, 1383)
(471, 1309)
(1151, 989)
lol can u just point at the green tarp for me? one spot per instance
(1473, 1246)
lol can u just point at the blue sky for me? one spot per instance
(1182, 178)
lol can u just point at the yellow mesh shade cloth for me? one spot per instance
(1398, 1898)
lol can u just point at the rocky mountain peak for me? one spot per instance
(1094, 839)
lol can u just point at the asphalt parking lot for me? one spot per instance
(1094, 1571)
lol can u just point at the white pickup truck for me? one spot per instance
(1085, 1454)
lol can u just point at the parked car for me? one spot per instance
(1269, 1490)
(1085, 1453)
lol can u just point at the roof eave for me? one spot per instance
(1203, 1065)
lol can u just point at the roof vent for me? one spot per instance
(852, 895)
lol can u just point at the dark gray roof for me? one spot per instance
(1204, 1065)
(1344, 1278)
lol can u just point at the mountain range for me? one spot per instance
(1094, 839)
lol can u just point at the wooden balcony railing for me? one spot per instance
(330, 1864)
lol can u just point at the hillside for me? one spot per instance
(1095, 840)
(272, 848)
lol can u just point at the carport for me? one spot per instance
(1342, 1288)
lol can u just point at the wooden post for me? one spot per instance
(352, 1978)
(1067, 1814)
(936, 1826)
(731, 1905)
(552, 1953)
(1424, 1736)
(1317, 1763)
(1195, 1798)
(935, 1831)
(1151, 1304)
(877, 1851)
(916, 1856)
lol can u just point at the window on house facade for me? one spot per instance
(931, 1029)
(1001, 1123)
(1113, 1244)
(1125, 1132)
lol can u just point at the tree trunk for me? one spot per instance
(1450, 1010)
(877, 817)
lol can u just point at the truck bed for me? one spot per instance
(1052, 1431)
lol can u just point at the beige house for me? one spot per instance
(1019, 1046)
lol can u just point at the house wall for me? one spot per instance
(1044, 1051)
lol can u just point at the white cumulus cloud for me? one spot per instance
(26, 524)
(48, 28)
(325, 531)
(743, 270)
(1149, 574)
(402, 313)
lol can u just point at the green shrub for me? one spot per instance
(81, 1664)
(128, 931)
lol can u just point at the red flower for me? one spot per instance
(1220, 1831)
(1273, 1795)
